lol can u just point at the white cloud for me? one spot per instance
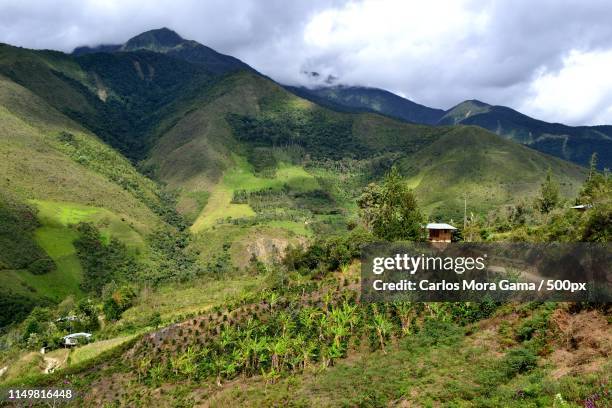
(519, 53)
(580, 91)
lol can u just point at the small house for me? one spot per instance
(440, 232)
(74, 339)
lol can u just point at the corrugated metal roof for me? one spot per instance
(440, 226)
(70, 336)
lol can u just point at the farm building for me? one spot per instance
(440, 232)
(75, 339)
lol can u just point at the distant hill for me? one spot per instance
(573, 143)
(371, 99)
(168, 42)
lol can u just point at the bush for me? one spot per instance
(519, 361)
(41, 266)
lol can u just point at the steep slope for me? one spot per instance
(64, 175)
(117, 96)
(576, 144)
(246, 113)
(443, 174)
(370, 99)
(168, 42)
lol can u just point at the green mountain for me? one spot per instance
(202, 223)
(168, 42)
(576, 144)
(280, 125)
(127, 137)
(57, 171)
(372, 100)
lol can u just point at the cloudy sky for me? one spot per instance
(551, 59)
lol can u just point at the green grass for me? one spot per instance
(56, 238)
(241, 177)
(92, 350)
(298, 228)
(57, 284)
(176, 299)
(36, 164)
(63, 215)
(191, 203)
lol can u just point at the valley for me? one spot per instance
(204, 223)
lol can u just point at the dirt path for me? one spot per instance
(50, 364)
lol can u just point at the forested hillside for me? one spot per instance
(204, 224)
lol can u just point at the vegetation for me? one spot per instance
(549, 194)
(18, 222)
(391, 211)
(102, 263)
(235, 259)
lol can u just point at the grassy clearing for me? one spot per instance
(298, 228)
(56, 238)
(241, 177)
(178, 299)
(191, 203)
(92, 350)
(220, 207)
(54, 285)
(61, 215)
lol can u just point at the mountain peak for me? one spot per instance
(166, 41)
(154, 39)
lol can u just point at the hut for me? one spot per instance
(75, 339)
(440, 232)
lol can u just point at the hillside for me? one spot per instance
(371, 99)
(443, 173)
(573, 143)
(63, 175)
(203, 224)
(168, 42)
(315, 344)
(253, 167)
(119, 97)
(246, 113)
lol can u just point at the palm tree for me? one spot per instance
(383, 328)
(187, 363)
(404, 312)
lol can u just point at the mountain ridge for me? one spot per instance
(126, 139)
(167, 41)
(573, 143)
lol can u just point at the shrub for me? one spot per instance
(41, 266)
(518, 361)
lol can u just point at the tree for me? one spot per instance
(390, 210)
(549, 194)
(383, 329)
(117, 301)
(592, 166)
